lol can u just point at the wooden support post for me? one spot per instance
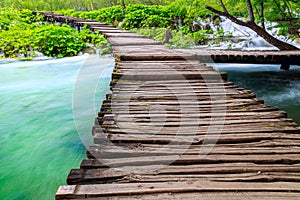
(167, 36)
(285, 66)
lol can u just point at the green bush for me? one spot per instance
(200, 37)
(10, 17)
(21, 37)
(178, 40)
(283, 31)
(140, 15)
(16, 42)
(155, 33)
(155, 21)
(56, 41)
(134, 19)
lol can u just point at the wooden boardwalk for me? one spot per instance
(284, 58)
(173, 128)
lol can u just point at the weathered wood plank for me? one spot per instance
(121, 41)
(195, 195)
(256, 128)
(104, 151)
(252, 57)
(123, 34)
(173, 187)
(215, 167)
(156, 75)
(181, 138)
(132, 49)
(207, 159)
(202, 122)
(225, 172)
(162, 114)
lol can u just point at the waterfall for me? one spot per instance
(243, 38)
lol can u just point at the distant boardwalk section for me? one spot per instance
(284, 58)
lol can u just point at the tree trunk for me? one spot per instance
(262, 15)
(269, 38)
(123, 6)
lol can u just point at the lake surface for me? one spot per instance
(39, 143)
(277, 87)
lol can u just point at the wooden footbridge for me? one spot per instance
(174, 128)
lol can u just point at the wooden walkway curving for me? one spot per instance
(173, 128)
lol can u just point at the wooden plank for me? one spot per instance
(256, 128)
(132, 49)
(145, 63)
(202, 122)
(153, 56)
(181, 138)
(121, 41)
(162, 69)
(131, 85)
(168, 88)
(129, 176)
(199, 195)
(208, 159)
(126, 35)
(225, 172)
(241, 166)
(102, 151)
(252, 57)
(104, 30)
(182, 119)
(175, 102)
(184, 115)
(174, 187)
(140, 75)
(276, 143)
(91, 24)
(218, 109)
(100, 28)
(158, 173)
(181, 91)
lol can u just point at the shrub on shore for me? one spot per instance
(22, 34)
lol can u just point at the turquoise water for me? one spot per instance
(39, 143)
(277, 87)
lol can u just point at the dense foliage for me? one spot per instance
(150, 17)
(152, 21)
(182, 14)
(83, 5)
(140, 15)
(182, 39)
(22, 35)
(275, 10)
